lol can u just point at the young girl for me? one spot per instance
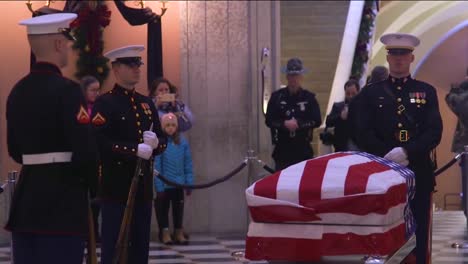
(91, 87)
(176, 164)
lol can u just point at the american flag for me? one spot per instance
(354, 202)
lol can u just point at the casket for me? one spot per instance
(343, 203)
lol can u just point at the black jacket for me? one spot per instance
(47, 113)
(120, 117)
(341, 127)
(379, 124)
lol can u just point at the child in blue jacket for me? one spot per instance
(175, 164)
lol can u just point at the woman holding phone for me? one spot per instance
(165, 98)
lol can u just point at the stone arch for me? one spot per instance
(430, 21)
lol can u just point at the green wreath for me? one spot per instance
(361, 54)
(88, 28)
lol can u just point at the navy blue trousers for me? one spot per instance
(421, 207)
(112, 214)
(47, 249)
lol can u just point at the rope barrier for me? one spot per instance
(203, 185)
(250, 156)
(265, 166)
(450, 163)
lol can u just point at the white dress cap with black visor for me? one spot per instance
(128, 55)
(399, 43)
(50, 24)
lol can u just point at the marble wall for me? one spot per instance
(220, 43)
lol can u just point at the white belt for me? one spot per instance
(45, 158)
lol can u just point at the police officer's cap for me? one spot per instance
(294, 67)
(399, 43)
(129, 55)
(50, 24)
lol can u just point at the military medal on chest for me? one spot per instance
(418, 98)
(146, 108)
(423, 97)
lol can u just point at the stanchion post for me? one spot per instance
(464, 175)
(464, 166)
(12, 176)
(250, 177)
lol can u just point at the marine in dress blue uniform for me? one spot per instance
(122, 119)
(399, 119)
(292, 114)
(49, 134)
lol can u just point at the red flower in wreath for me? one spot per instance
(92, 20)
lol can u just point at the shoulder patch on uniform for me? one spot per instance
(82, 116)
(98, 119)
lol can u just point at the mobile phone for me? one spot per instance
(169, 97)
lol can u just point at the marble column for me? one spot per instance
(220, 67)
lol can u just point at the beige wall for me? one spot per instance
(445, 65)
(14, 51)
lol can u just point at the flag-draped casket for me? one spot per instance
(344, 203)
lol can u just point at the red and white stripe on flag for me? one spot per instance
(340, 188)
(302, 242)
(344, 203)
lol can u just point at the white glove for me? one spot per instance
(404, 163)
(397, 155)
(150, 138)
(144, 151)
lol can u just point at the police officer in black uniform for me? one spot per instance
(49, 133)
(399, 119)
(122, 118)
(292, 114)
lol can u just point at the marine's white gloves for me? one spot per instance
(404, 163)
(150, 138)
(144, 151)
(398, 155)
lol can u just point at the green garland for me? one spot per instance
(88, 29)
(361, 54)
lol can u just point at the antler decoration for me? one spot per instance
(48, 3)
(141, 3)
(29, 5)
(35, 12)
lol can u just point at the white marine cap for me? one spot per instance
(132, 51)
(399, 43)
(49, 24)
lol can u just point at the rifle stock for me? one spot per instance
(91, 245)
(121, 247)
